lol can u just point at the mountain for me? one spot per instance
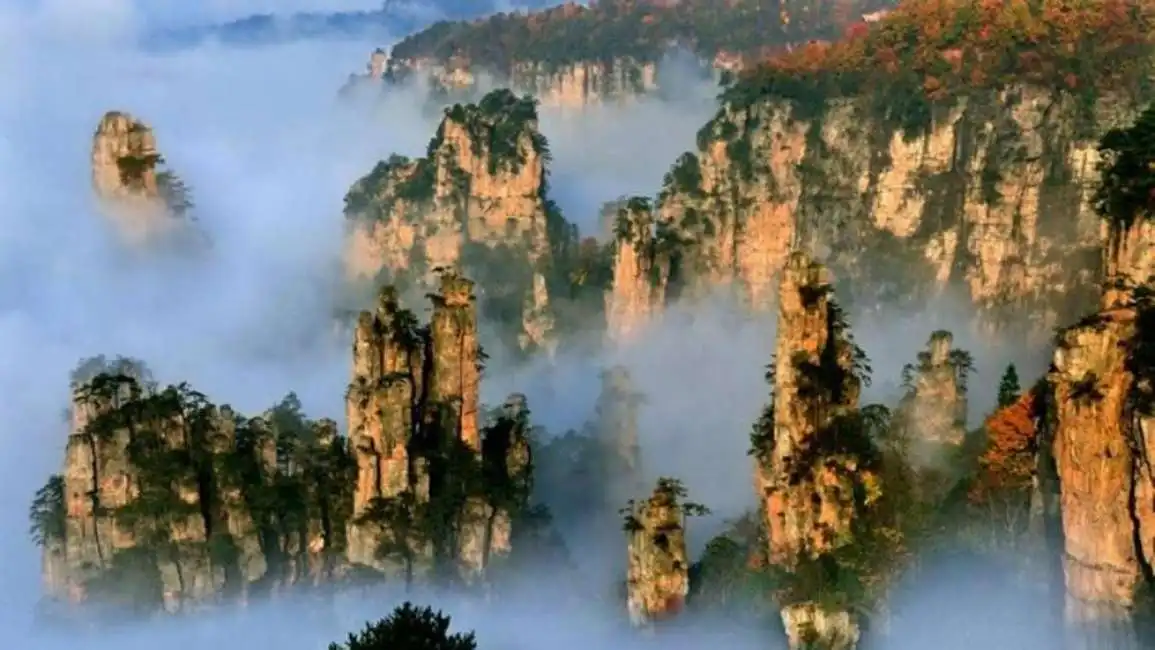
(949, 148)
(393, 18)
(573, 54)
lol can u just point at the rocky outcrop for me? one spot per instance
(658, 578)
(641, 271)
(992, 196)
(168, 502)
(812, 480)
(373, 78)
(934, 408)
(424, 461)
(570, 86)
(1101, 383)
(144, 200)
(476, 203)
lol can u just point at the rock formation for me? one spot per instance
(641, 270)
(935, 408)
(574, 55)
(424, 462)
(571, 86)
(373, 77)
(812, 482)
(1101, 380)
(984, 188)
(615, 427)
(476, 203)
(658, 576)
(144, 200)
(170, 502)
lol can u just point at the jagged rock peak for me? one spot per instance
(641, 269)
(812, 478)
(144, 200)
(658, 578)
(476, 201)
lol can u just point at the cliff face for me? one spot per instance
(641, 270)
(568, 86)
(1102, 392)
(658, 577)
(169, 502)
(143, 200)
(913, 166)
(477, 202)
(992, 196)
(574, 55)
(812, 481)
(424, 460)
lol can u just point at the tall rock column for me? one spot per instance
(616, 423)
(934, 409)
(98, 478)
(380, 403)
(808, 480)
(131, 189)
(639, 281)
(454, 371)
(1102, 383)
(452, 407)
(658, 577)
(508, 462)
(476, 203)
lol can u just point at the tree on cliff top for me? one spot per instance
(409, 628)
(1127, 172)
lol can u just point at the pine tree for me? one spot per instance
(1009, 388)
(409, 628)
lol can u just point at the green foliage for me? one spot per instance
(134, 167)
(47, 513)
(175, 193)
(728, 579)
(283, 471)
(1126, 190)
(611, 31)
(1009, 388)
(409, 628)
(497, 125)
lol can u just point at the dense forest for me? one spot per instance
(642, 30)
(927, 55)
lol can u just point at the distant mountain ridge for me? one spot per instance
(395, 18)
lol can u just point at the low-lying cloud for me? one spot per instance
(268, 151)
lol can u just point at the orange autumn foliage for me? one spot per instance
(956, 44)
(1008, 462)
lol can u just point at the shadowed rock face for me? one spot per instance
(658, 578)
